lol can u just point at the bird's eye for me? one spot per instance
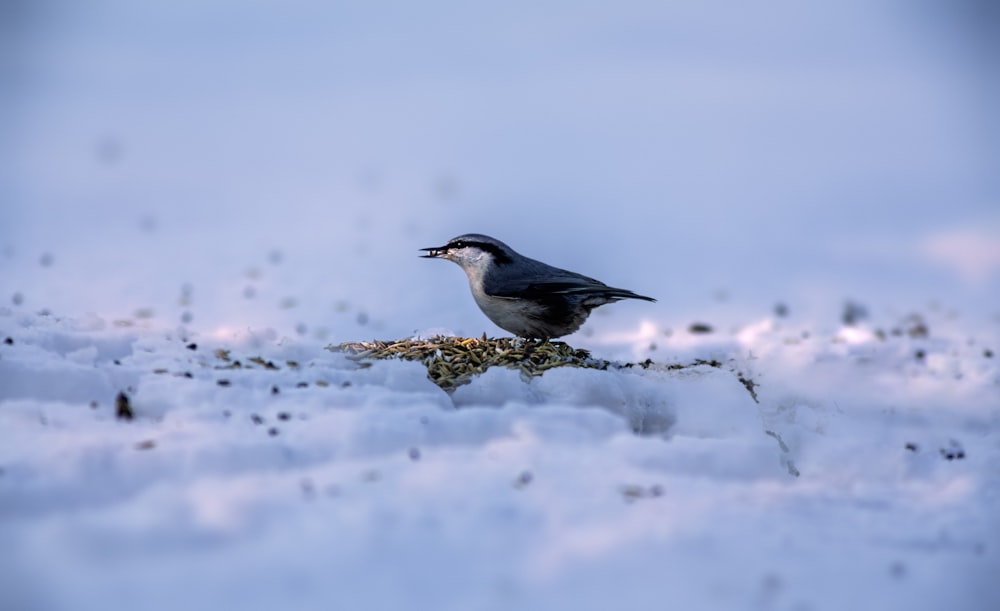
(458, 244)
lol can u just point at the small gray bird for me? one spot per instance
(523, 296)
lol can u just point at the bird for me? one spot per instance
(523, 296)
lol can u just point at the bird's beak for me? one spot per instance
(433, 253)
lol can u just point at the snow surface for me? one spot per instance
(817, 182)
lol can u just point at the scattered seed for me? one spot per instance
(523, 479)
(265, 364)
(853, 313)
(954, 451)
(147, 444)
(123, 408)
(916, 327)
(454, 361)
(634, 492)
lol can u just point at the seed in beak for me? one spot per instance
(432, 253)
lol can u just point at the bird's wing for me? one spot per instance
(540, 288)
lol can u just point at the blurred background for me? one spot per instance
(230, 165)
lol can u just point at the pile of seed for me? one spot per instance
(453, 361)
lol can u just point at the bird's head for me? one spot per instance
(473, 251)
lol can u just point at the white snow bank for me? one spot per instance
(325, 484)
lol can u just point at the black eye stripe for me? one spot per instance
(472, 244)
(499, 256)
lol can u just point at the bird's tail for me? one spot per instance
(607, 292)
(624, 294)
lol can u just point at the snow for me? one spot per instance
(188, 185)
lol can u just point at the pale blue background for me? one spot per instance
(696, 151)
